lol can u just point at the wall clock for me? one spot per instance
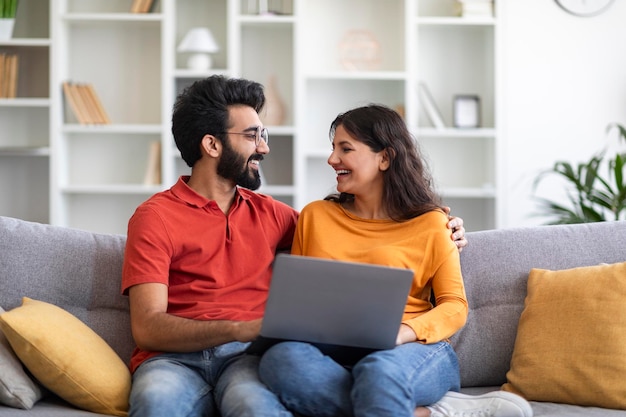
(584, 8)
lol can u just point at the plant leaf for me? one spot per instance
(591, 196)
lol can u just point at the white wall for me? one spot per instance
(563, 81)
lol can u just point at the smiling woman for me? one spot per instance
(372, 140)
(359, 168)
(386, 213)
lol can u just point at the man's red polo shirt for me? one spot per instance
(217, 266)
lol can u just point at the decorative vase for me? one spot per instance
(6, 28)
(274, 111)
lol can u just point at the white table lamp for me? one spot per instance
(200, 42)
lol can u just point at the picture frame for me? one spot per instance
(466, 111)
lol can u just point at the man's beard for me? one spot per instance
(233, 166)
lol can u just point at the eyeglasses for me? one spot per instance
(258, 135)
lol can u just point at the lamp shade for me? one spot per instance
(200, 43)
(198, 40)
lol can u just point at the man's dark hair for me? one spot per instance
(202, 108)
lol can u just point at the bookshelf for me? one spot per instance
(419, 42)
(467, 177)
(25, 117)
(98, 166)
(93, 175)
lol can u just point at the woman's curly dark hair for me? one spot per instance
(408, 189)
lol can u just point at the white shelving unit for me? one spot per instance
(310, 55)
(25, 120)
(405, 42)
(97, 171)
(458, 55)
(256, 47)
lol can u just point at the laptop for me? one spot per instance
(347, 309)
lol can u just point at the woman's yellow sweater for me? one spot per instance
(423, 244)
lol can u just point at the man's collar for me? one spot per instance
(189, 196)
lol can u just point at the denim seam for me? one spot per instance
(426, 359)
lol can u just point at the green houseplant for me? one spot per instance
(596, 189)
(8, 9)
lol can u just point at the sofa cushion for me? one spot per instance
(495, 266)
(77, 270)
(17, 389)
(67, 357)
(571, 339)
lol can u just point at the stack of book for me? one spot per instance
(475, 8)
(8, 75)
(85, 104)
(141, 6)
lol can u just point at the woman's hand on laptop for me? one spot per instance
(405, 335)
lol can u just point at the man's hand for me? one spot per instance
(149, 316)
(458, 231)
(246, 331)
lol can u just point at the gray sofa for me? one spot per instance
(80, 272)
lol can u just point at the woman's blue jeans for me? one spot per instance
(199, 384)
(384, 383)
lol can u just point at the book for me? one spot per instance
(12, 77)
(148, 5)
(141, 6)
(153, 167)
(101, 113)
(2, 74)
(433, 113)
(8, 75)
(136, 6)
(88, 105)
(84, 103)
(75, 105)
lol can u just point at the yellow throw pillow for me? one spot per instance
(67, 357)
(571, 339)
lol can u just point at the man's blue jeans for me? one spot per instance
(384, 383)
(200, 383)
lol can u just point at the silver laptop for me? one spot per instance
(334, 304)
